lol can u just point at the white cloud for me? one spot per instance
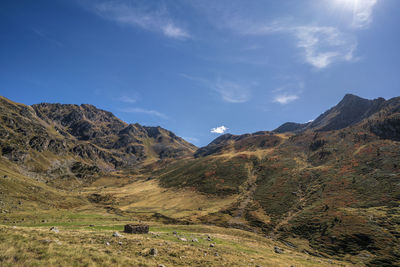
(173, 31)
(285, 98)
(323, 46)
(140, 16)
(320, 46)
(145, 111)
(219, 130)
(362, 13)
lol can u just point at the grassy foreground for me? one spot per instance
(84, 245)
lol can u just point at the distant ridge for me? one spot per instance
(349, 111)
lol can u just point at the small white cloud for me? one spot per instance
(219, 130)
(145, 111)
(285, 99)
(173, 31)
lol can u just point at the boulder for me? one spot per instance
(136, 228)
(278, 250)
(153, 252)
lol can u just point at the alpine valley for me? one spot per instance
(325, 192)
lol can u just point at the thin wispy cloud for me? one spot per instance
(47, 37)
(323, 46)
(229, 91)
(127, 99)
(219, 130)
(362, 13)
(145, 111)
(320, 46)
(285, 98)
(134, 15)
(232, 92)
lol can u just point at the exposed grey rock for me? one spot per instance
(153, 252)
(182, 239)
(212, 245)
(195, 240)
(116, 234)
(278, 250)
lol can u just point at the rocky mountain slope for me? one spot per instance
(78, 141)
(333, 184)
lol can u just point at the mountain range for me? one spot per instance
(334, 182)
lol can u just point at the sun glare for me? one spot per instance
(347, 4)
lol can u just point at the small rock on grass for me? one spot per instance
(212, 245)
(54, 229)
(195, 240)
(182, 239)
(116, 234)
(278, 250)
(153, 252)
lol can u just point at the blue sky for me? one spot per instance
(200, 68)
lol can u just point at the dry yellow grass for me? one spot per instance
(147, 196)
(34, 246)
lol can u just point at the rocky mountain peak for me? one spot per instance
(349, 111)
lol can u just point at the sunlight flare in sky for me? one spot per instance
(350, 4)
(361, 11)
